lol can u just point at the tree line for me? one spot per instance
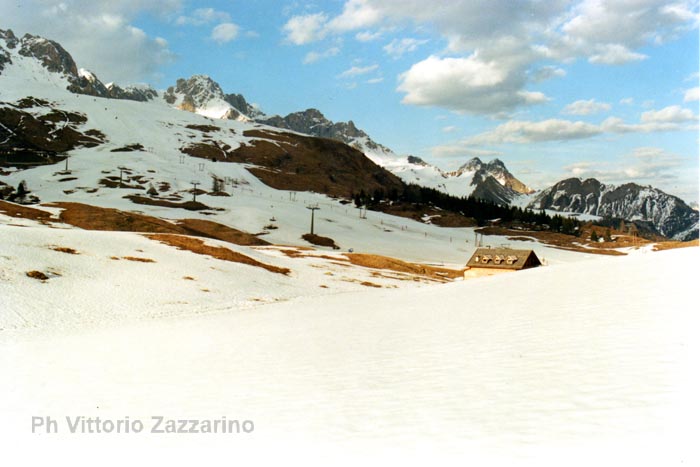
(482, 211)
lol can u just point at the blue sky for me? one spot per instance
(555, 89)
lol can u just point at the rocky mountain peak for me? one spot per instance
(667, 214)
(9, 37)
(50, 53)
(200, 89)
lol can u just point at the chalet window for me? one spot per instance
(486, 259)
(498, 259)
(511, 259)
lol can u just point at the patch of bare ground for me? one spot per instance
(661, 246)
(558, 240)
(209, 229)
(24, 212)
(97, 218)
(188, 205)
(288, 161)
(418, 212)
(198, 246)
(138, 259)
(397, 265)
(320, 241)
(38, 275)
(63, 249)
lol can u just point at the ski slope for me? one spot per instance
(581, 363)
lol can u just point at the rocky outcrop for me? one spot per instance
(668, 214)
(49, 53)
(132, 93)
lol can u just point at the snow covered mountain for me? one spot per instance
(669, 215)
(201, 94)
(42, 130)
(55, 59)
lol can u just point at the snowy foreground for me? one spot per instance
(578, 363)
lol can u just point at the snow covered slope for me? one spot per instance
(582, 361)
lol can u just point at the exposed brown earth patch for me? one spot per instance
(672, 245)
(302, 163)
(63, 249)
(90, 217)
(320, 241)
(198, 246)
(397, 265)
(24, 212)
(561, 241)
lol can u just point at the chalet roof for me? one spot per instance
(503, 258)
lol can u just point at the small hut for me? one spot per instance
(490, 261)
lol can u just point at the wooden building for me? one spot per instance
(490, 261)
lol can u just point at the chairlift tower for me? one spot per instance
(194, 190)
(313, 209)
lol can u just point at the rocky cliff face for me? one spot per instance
(313, 122)
(496, 169)
(669, 215)
(203, 95)
(52, 56)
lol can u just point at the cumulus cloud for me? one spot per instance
(116, 50)
(517, 131)
(615, 54)
(468, 85)
(481, 33)
(398, 47)
(357, 14)
(583, 107)
(643, 164)
(523, 131)
(692, 94)
(547, 72)
(224, 32)
(304, 29)
(671, 114)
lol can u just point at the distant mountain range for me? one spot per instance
(665, 214)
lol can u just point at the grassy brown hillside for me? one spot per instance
(289, 161)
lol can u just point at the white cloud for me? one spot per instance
(524, 132)
(203, 16)
(397, 47)
(495, 34)
(516, 131)
(627, 101)
(468, 85)
(547, 72)
(116, 50)
(458, 150)
(357, 14)
(671, 114)
(313, 57)
(692, 94)
(357, 71)
(588, 107)
(449, 129)
(368, 36)
(642, 165)
(615, 54)
(375, 80)
(305, 29)
(224, 32)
